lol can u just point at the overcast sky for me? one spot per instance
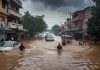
(55, 11)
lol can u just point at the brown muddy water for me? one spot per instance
(43, 55)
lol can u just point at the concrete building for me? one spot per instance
(14, 19)
(10, 19)
(3, 18)
(80, 19)
(68, 27)
(87, 16)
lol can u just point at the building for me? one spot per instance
(68, 27)
(10, 19)
(79, 20)
(87, 16)
(14, 19)
(3, 18)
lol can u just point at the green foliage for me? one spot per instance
(94, 22)
(56, 29)
(33, 24)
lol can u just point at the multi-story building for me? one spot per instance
(79, 19)
(3, 18)
(14, 19)
(87, 16)
(10, 19)
(68, 27)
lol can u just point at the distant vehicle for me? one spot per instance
(40, 35)
(9, 45)
(66, 39)
(49, 37)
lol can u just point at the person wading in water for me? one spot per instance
(22, 47)
(59, 47)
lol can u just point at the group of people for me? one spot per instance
(82, 42)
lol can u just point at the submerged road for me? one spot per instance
(43, 55)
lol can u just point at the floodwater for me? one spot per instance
(43, 55)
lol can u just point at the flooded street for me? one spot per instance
(43, 55)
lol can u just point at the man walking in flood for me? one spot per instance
(22, 47)
(59, 47)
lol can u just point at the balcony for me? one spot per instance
(2, 25)
(13, 25)
(3, 10)
(79, 17)
(12, 12)
(18, 2)
(20, 26)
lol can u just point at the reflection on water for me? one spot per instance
(59, 52)
(45, 56)
(8, 60)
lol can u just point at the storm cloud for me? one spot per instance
(60, 3)
(55, 11)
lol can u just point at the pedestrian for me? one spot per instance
(59, 47)
(22, 47)
(81, 43)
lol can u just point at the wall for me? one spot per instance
(88, 15)
(78, 20)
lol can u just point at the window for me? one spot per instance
(3, 4)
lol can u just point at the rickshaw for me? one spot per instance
(66, 39)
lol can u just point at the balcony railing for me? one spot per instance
(79, 17)
(13, 25)
(10, 11)
(20, 26)
(18, 2)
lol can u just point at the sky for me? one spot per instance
(55, 11)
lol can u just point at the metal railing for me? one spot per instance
(18, 2)
(15, 25)
(13, 12)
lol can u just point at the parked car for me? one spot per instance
(9, 45)
(49, 37)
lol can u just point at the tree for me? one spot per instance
(94, 22)
(33, 24)
(56, 29)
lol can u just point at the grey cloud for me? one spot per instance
(55, 4)
(56, 11)
(60, 3)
